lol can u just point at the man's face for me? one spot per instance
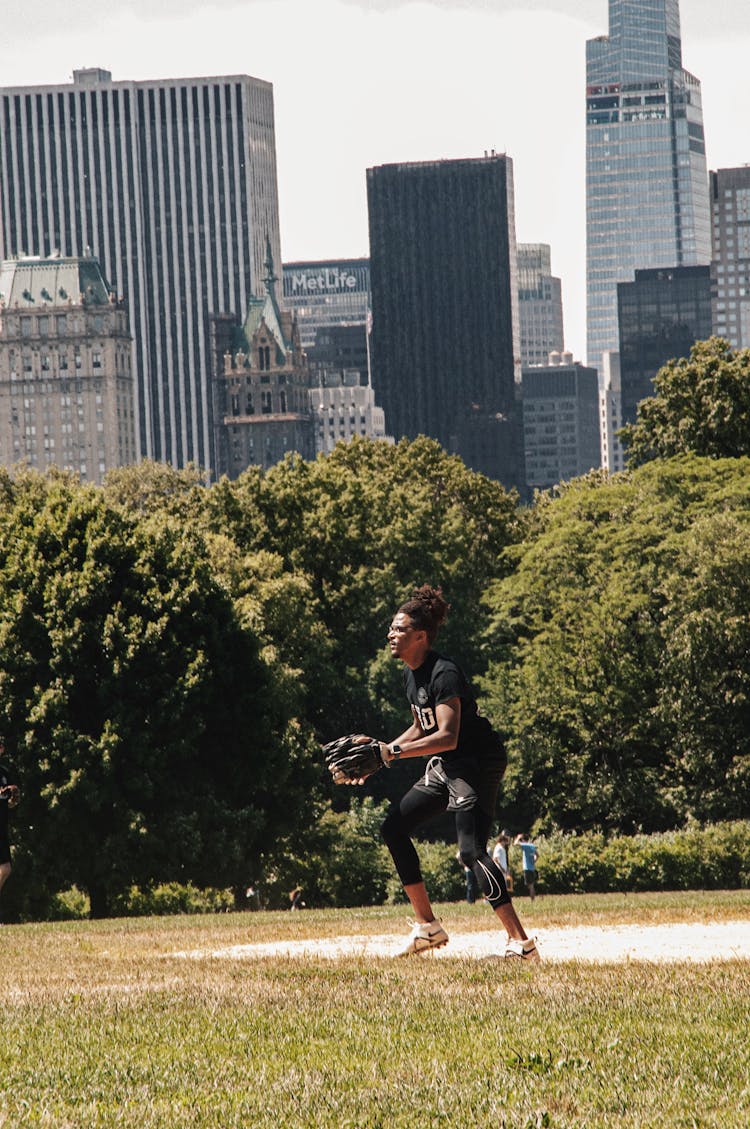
(403, 637)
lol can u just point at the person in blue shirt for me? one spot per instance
(530, 855)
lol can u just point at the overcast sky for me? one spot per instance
(366, 82)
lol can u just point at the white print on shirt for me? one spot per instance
(425, 717)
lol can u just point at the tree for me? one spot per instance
(366, 524)
(706, 696)
(701, 406)
(152, 734)
(593, 664)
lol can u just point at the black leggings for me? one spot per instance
(472, 831)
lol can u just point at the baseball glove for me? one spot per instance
(352, 758)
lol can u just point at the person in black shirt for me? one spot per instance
(463, 773)
(9, 797)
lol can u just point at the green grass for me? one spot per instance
(101, 1025)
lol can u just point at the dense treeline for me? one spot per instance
(172, 652)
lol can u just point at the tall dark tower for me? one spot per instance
(445, 312)
(662, 313)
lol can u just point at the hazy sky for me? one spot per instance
(366, 82)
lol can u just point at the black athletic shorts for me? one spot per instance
(468, 782)
(4, 850)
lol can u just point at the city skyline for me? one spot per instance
(459, 83)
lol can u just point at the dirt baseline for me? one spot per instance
(696, 942)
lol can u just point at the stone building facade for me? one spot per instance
(262, 405)
(66, 382)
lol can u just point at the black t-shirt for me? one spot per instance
(438, 680)
(7, 776)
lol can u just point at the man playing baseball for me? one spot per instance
(463, 773)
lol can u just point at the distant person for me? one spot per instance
(530, 855)
(500, 857)
(295, 898)
(10, 795)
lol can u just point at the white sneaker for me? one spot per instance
(424, 936)
(522, 950)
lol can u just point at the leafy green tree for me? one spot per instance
(701, 406)
(340, 861)
(149, 487)
(152, 734)
(365, 525)
(587, 645)
(706, 687)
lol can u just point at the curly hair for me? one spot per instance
(427, 609)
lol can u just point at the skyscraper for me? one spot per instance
(539, 305)
(445, 308)
(561, 422)
(327, 293)
(730, 201)
(646, 180)
(172, 185)
(662, 313)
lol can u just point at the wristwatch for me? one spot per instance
(396, 751)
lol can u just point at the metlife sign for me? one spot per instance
(307, 280)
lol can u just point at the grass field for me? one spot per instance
(102, 1024)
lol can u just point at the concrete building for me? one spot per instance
(341, 395)
(344, 409)
(262, 389)
(172, 185)
(445, 334)
(66, 381)
(730, 205)
(327, 293)
(610, 413)
(647, 199)
(540, 308)
(662, 313)
(560, 422)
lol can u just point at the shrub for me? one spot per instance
(68, 905)
(172, 898)
(710, 858)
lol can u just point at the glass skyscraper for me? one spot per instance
(647, 202)
(661, 313)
